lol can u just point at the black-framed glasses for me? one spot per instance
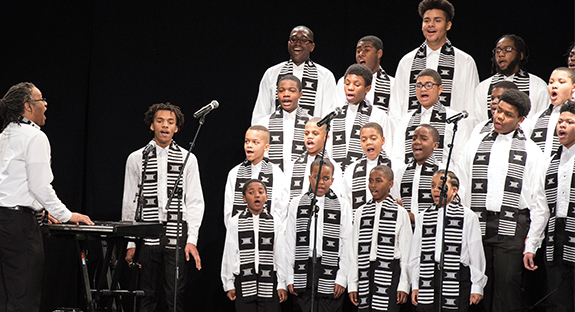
(507, 49)
(42, 99)
(428, 85)
(302, 40)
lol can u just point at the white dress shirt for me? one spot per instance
(472, 254)
(231, 256)
(532, 192)
(465, 80)
(266, 101)
(344, 238)
(25, 173)
(193, 201)
(280, 192)
(401, 250)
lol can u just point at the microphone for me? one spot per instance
(206, 109)
(457, 117)
(147, 150)
(329, 117)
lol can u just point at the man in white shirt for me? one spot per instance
(164, 159)
(25, 188)
(318, 82)
(368, 52)
(509, 61)
(502, 174)
(457, 68)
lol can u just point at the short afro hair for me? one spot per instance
(428, 72)
(250, 181)
(361, 71)
(292, 78)
(518, 99)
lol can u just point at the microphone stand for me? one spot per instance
(443, 203)
(315, 211)
(178, 190)
(140, 207)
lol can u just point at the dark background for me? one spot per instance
(101, 63)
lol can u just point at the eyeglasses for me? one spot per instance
(42, 99)
(504, 49)
(427, 85)
(302, 40)
(324, 179)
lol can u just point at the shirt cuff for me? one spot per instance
(403, 286)
(341, 280)
(229, 285)
(192, 240)
(530, 246)
(131, 245)
(476, 289)
(351, 287)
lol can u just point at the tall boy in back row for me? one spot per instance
(501, 176)
(165, 160)
(457, 68)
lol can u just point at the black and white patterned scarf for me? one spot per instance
(298, 173)
(487, 127)
(309, 84)
(521, 80)
(276, 125)
(445, 68)
(382, 276)
(451, 255)
(539, 134)
(329, 264)
(551, 185)
(150, 193)
(437, 120)
(381, 90)
(359, 188)
(424, 198)
(513, 183)
(339, 138)
(261, 285)
(266, 175)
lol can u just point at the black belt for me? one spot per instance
(19, 208)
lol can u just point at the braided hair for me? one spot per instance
(12, 104)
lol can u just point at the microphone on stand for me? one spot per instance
(148, 149)
(457, 117)
(329, 117)
(206, 109)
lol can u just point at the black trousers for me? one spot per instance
(504, 268)
(257, 305)
(560, 275)
(22, 260)
(322, 303)
(158, 273)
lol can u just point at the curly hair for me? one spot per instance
(12, 104)
(152, 110)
